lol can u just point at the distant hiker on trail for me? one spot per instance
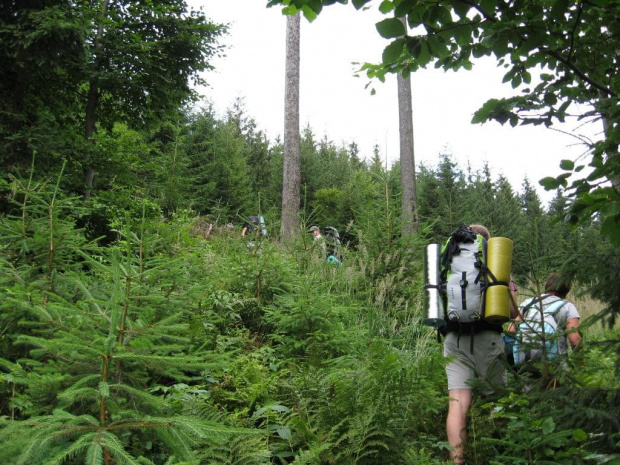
(329, 243)
(316, 232)
(547, 324)
(318, 241)
(473, 346)
(333, 246)
(255, 224)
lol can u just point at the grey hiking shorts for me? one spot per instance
(486, 362)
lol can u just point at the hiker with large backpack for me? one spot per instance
(470, 303)
(546, 325)
(333, 245)
(255, 225)
(329, 244)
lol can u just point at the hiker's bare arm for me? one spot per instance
(514, 308)
(514, 311)
(572, 329)
(512, 327)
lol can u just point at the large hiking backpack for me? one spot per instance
(463, 276)
(257, 224)
(535, 328)
(332, 243)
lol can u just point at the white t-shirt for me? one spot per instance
(565, 313)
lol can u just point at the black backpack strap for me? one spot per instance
(451, 248)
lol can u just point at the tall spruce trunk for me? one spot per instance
(93, 101)
(291, 195)
(407, 158)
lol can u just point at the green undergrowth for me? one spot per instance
(169, 347)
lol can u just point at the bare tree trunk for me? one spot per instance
(615, 182)
(291, 195)
(93, 101)
(407, 158)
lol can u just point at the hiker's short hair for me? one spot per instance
(479, 229)
(558, 284)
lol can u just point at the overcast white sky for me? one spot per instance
(338, 105)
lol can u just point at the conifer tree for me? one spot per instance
(101, 327)
(452, 196)
(532, 242)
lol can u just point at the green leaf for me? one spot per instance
(392, 52)
(462, 34)
(359, 3)
(488, 6)
(444, 15)
(290, 10)
(436, 46)
(315, 5)
(309, 13)
(404, 8)
(386, 6)
(548, 426)
(390, 28)
(549, 183)
(559, 8)
(278, 408)
(550, 98)
(483, 114)
(611, 209)
(414, 45)
(514, 120)
(567, 165)
(285, 433)
(461, 9)
(611, 228)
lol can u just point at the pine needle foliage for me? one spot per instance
(100, 329)
(167, 346)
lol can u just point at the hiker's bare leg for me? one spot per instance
(460, 400)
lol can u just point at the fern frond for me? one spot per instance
(237, 450)
(178, 441)
(312, 456)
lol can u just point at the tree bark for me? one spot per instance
(615, 182)
(291, 195)
(407, 158)
(93, 101)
